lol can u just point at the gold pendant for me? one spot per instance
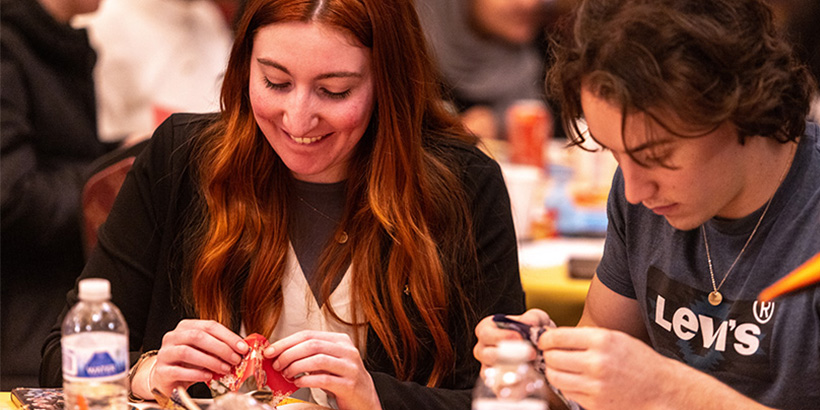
(715, 298)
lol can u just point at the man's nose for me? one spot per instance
(638, 185)
(300, 116)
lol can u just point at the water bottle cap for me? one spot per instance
(95, 289)
(514, 351)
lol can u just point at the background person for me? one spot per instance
(489, 55)
(48, 140)
(800, 18)
(157, 57)
(333, 142)
(717, 196)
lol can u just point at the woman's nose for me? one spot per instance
(300, 117)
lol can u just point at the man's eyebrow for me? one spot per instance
(646, 145)
(335, 74)
(650, 144)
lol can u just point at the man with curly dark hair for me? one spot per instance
(717, 196)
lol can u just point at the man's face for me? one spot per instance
(703, 176)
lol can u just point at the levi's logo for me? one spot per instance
(731, 337)
(713, 333)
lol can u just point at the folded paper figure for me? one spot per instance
(254, 374)
(532, 334)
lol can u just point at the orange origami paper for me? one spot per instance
(806, 274)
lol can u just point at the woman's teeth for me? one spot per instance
(306, 140)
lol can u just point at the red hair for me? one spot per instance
(407, 216)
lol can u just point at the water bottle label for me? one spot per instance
(95, 355)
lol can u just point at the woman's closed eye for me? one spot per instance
(275, 86)
(335, 95)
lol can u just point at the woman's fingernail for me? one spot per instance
(225, 368)
(241, 345)
(269, 351)
(276, 366)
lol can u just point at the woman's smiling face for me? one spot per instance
(311, 92)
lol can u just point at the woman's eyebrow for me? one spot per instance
(334, 74)
(274, 64)
(339, 74)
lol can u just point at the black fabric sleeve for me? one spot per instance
(497, 290)
(133, 248)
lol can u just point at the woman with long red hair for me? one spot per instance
(334, 206)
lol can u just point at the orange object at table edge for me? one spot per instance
(805, 275)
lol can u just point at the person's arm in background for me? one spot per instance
(40, 201)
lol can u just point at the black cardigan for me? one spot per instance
(139, 252)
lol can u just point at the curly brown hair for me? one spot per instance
(707, 62)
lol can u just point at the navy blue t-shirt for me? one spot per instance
(767, 351)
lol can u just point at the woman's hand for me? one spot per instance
(328, 361)
(489, 334)
(193, 352)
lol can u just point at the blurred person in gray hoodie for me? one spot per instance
(489, 54)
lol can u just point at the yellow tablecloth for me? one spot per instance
(5, 401)
(546, 280)
(553, 291)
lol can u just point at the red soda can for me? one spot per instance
(529, 130)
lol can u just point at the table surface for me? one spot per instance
(5, 401)
(289, 404)
(545, 276)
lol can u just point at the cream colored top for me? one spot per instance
(301, 311)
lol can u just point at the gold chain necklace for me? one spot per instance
(715, 297)
(342, 237)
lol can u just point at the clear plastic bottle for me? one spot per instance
(512, 383)
(95, 351)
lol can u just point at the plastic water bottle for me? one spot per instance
(95, 351)
(512, 383)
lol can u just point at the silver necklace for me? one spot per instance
(715, 297)
(342, 237)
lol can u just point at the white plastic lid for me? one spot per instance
(95, 289)
(514, 351)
